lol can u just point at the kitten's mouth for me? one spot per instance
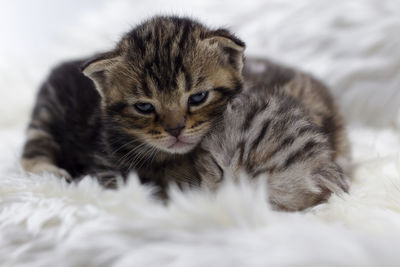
(180, 147)
(180, 144)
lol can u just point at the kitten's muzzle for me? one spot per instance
(174, 121)
(175, 131)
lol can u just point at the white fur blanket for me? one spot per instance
(352, 45)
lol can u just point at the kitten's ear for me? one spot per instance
(98, 68)
(230, 46)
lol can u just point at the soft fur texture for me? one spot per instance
(351, 45)
(269, 134)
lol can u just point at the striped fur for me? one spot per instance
(276, 129)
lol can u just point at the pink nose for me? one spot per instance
(175, 131)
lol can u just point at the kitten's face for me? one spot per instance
(170, 84)
(176, 117)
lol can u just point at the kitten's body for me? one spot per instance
(93, 126)
(284, 127)
(313, 95)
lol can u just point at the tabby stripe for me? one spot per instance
(251, 115)
(155, 78)
(285, 143)
(242, 147)
(329, 127)
(237, 85)
(305, 152)
(268, 170)
(178, 62)
(198, 123)
(40, 147)
(184, 35)
(286, 106)
(308, 129)
(200, 80)
(157, 38)
(225, 91)
(34, 152)
(133, 124)
(188, 79)
(261, 135)
(167, 47)
(139, 43)
(249, 119)
(145, 86)
(116, 107)
(155, 62)
(220, 170)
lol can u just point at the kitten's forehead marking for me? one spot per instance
(171, 62)
(161, 49)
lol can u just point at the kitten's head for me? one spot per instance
(168, 81)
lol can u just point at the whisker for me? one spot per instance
(129, 153)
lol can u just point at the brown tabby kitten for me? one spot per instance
(144, 106)
(286, 127)
(149, 103)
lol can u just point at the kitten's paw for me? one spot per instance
(329, 180)
(304, 190)
(331, 177)
(108, 179)
(44, 167)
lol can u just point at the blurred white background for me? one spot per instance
(353, 46)
(33, 27)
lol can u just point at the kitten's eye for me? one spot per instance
(145, 108)
(197, 99)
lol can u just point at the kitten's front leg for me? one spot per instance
(108, 179)
(331, 177)
(40, 151)
(42, 166)
(104, 171)
(210, 173)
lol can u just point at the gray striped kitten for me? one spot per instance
(286, 127)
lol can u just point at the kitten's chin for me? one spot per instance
(180, 147)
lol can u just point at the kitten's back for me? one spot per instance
(275, 130)
(312, 95)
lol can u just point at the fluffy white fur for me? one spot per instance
(352, 45)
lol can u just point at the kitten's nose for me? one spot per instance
(175, 131)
